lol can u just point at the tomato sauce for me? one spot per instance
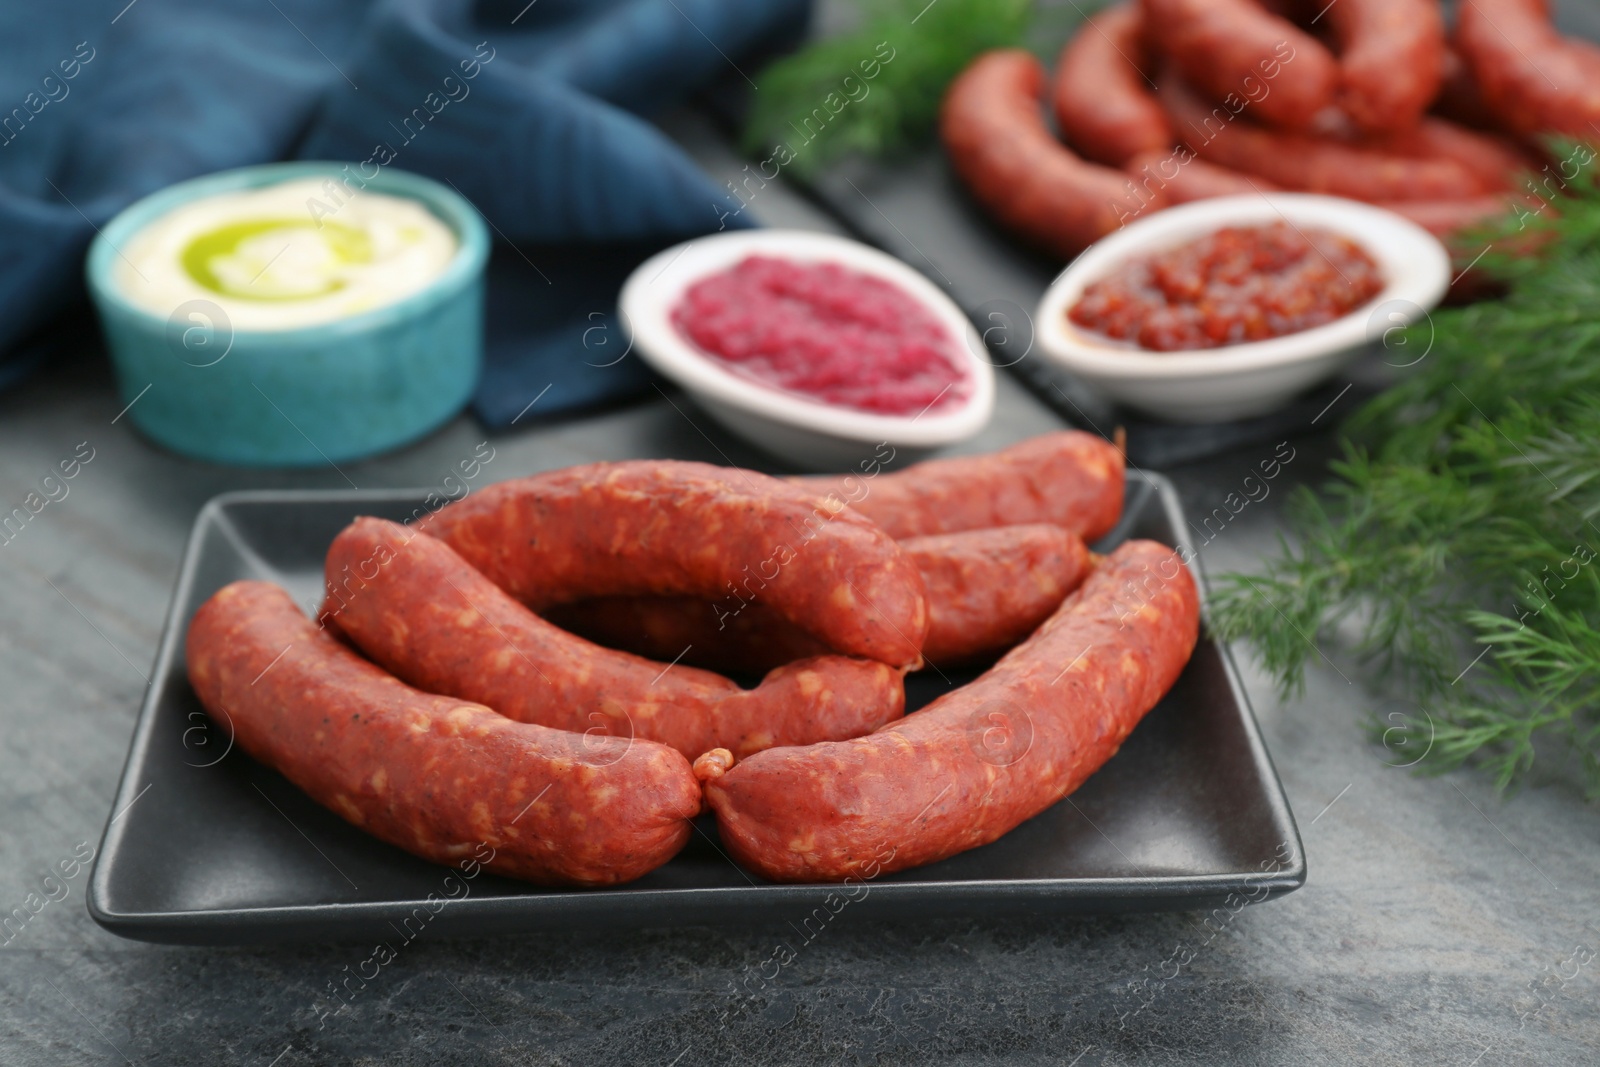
(1240, 284)
(825, 332)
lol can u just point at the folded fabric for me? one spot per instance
(532, 110)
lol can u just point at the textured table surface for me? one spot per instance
(1441, 924)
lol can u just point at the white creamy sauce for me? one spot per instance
(271, 263)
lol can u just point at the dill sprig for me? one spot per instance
(1457, 547)
(890, 112)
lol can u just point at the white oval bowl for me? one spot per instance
(809, 434)
(1236, 381)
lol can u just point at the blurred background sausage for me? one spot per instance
(1391, 59)
(1533, 79)
(1103, 90)
(1239, 48)
(994, 133)
(1306, 162)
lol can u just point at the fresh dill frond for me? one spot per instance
(820, 103)
(1458, 539)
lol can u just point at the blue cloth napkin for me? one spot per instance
(532, 110)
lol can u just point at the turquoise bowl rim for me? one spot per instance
(453, 209)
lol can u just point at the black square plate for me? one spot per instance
(205, 846)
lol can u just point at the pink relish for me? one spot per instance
(827, 333)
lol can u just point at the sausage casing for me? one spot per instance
(436, 776)
(994, 134)
(1184, 178)
(1310, 163)
(665, 528)
(1534, 80)
(417, 608)
(1102, 90)
(1391, 59)
(1499, 164)
(994, 587)
(987, 590)
(1238, 50)
(1460, 99)
(982, 759)
(1442, 218)
(1069, 479)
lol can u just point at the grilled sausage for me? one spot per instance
(997, 141)
(1237, 50)
(1459, 98)
(982, 759)
(1533, 79)
(987, 590)
(438, 777)
(409, 602)
(1103, 96)
(1497, 162)
(1310, 163)
(747, 641)
(1391, 59)
(1443, 218)
(667, 528)
(1185, 178)
(1069, 479)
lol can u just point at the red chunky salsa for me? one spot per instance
(826, 332)
(1242, 283)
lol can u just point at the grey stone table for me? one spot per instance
(1438, 925)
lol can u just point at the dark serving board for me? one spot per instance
(205, 846)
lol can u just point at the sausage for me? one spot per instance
(1533, 79)
(1310, 163)
(998, 143)
(1185, 178)
(1498, 163)
(1391, 59)
(414, 606)
(1069, 479)
(668, 528)
(987, 590)
(1459, 99)
(1237, 49)
(1442, 218)
(1494, 163)
(1104, 100)
(1198, 180)
(981, 759)
(442, 778)
(751, 640)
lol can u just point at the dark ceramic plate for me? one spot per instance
(205, 846)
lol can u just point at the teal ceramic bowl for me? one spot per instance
(307, 395)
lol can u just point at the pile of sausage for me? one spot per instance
(1162, 102)
(436, 703)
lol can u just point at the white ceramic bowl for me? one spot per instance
(809, 434)
(1217, 384)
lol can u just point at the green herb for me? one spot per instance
(1458, 546)
(805, 104)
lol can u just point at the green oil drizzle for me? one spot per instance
(347, 244)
